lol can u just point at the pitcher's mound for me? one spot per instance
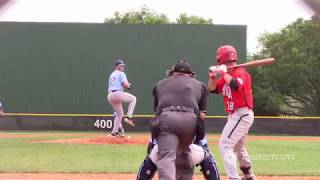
(102, 140)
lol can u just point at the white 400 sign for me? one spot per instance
(101, 123)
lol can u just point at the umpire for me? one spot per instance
(179, 102)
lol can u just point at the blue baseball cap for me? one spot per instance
(119, 62)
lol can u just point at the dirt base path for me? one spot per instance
(53, 176)
(143, 139)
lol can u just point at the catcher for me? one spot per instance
(200, 155)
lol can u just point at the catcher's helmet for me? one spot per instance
(226, 53)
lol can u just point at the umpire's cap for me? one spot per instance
(182, 67)
(119, 62)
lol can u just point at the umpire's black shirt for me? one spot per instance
(180, 90)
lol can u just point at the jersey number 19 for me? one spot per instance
(230, 105)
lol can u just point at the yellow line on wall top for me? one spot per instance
(146, 116)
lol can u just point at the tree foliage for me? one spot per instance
(144, 16)
(291, 86)
(148, 16)
(185, 19)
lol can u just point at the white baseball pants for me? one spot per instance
(232, 141)
(116, 99)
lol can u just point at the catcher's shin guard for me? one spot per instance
(209, 168)
(150, 147)
(146, 170)
(200, 131)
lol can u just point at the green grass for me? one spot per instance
(22, 155)
(290, 158)
(269, 157)
(285, 157)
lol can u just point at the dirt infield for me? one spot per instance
(143, 139)
(94, 138)
(136, 139)
(59, 176)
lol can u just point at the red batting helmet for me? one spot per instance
(226, 53)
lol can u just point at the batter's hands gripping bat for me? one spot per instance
(260, 62)
(215, 69)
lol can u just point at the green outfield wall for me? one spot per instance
(63, 67)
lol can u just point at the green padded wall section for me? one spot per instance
(63, 67)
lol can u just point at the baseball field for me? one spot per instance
(94, 155)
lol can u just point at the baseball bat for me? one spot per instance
(260, 62)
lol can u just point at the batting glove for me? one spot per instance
(213, 71)
(222, 68)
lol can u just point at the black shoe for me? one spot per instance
(116, 135)
(113, 135)
(121, 135)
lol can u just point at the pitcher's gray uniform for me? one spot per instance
(178, 100)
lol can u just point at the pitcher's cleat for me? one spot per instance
(116, 135)
(120, 135)
(112, 135)
(128, 121)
